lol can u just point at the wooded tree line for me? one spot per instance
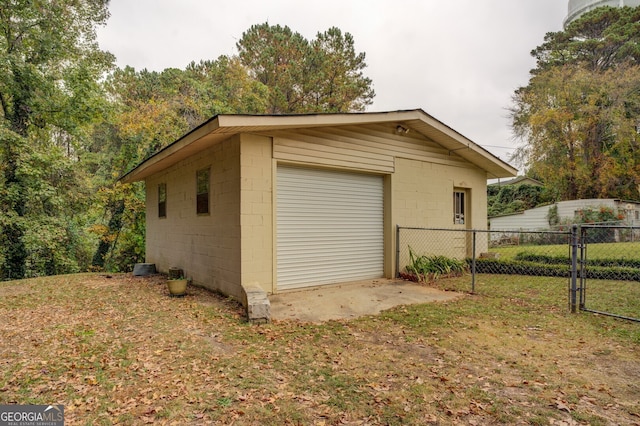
(578, 119)
(506, 199)
(71, 123)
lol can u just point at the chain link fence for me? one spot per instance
(610, 270)
(601, 262)
(540, 253)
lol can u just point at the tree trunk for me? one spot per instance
(115, 224)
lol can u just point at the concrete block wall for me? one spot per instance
(422, 196)
(256, 211)
(232, 247)
(206, 247)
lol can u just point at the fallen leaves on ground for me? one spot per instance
(118, 350)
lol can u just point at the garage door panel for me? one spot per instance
(329, 227)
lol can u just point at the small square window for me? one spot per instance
(202, 191)
(458, 207)
(162, 200)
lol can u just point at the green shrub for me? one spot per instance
(613, 273)
(429, 268)
(542, 258)
(565, 260)
(516, 267)
(557, 269)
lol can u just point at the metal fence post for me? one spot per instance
(397, 251)
(583, 276)
(573, 291)
(473, 263)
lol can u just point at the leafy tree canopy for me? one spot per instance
(507, 199)
(578, 117)
(71, 124)
(601, 39)
(50, 64)
(322, 75)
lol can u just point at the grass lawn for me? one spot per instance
(119, 350)
(510, 252)
(615, 296)
(595, 250)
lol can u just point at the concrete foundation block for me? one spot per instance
(144, 269)
(257, 305)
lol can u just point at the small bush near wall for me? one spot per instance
(430, 268)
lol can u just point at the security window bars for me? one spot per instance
(458, 207)
(202, 198)
(162, 200)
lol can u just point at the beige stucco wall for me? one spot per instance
(206, 247)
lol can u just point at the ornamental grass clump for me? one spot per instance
(430, 268)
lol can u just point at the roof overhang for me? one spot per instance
(223, 126)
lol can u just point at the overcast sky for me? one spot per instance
(459, 60)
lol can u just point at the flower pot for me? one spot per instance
(177, 287)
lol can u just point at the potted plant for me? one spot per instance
(177, 284)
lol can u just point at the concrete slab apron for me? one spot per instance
(352, 300)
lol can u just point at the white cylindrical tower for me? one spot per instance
(579, 7)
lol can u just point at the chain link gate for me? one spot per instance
(607, 270)
(601, 261)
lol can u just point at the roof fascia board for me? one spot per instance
(464, 142)
(199, 132)
(231, 124)
(316, 120)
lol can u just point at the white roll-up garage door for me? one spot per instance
(329, 227)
